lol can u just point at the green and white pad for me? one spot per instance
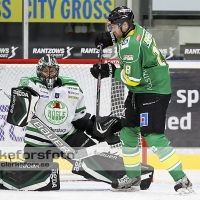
(107, 167)
(29, 176)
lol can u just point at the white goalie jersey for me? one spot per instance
(57, 108)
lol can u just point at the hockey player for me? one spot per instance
(59, 102)
(61, 106)
(145, 72)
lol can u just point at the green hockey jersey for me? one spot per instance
(143, 68)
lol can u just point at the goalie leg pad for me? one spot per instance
(30, 176)
(107, 167)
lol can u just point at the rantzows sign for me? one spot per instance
(65, 52)
(190, 51)
(9, 52)
(68, 52)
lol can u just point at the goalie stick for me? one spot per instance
(70, 152)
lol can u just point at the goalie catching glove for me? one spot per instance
(106, 128)
(102, 129)
(22, 106)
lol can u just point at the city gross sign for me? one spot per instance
(93, 11)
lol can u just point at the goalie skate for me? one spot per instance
(184, 186)
(126, 184)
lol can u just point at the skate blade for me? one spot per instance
(185, 191)
(131, 189)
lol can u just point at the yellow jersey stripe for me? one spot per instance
(127, 81)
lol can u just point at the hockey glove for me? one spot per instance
(105, 128)
(107, 70)
(22, 106)
(106, 39)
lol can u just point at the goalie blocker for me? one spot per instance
(22, 106)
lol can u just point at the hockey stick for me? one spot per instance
(99, 75)
(113, 38)
(99, 82)
(70, 152)
(98, 118)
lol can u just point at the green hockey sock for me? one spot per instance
(160, 145)
(130, 150)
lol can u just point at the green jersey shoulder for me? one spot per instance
(65, 80)
(25, 81)
(68, 81)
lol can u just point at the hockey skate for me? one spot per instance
(126, 184)
(184, 186)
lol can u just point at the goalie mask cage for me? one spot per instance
(113, 94)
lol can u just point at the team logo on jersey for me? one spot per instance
(128, 57)
(44, 91)
(24, 81)
(138, 37)
(56, 104)
(42, 86)
(73, 93)
(125, 43)
(73, 97)
(72, 88)
(44, 96)
(57, 95)
(144, 119)
(148, 39)
(56, 112)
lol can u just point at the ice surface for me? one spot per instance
(88, 190)
(162, 188)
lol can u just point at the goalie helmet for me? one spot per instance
(121, 14)
(47, 61)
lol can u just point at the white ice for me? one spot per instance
(161, 189)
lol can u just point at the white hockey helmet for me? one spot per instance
(47, 61)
